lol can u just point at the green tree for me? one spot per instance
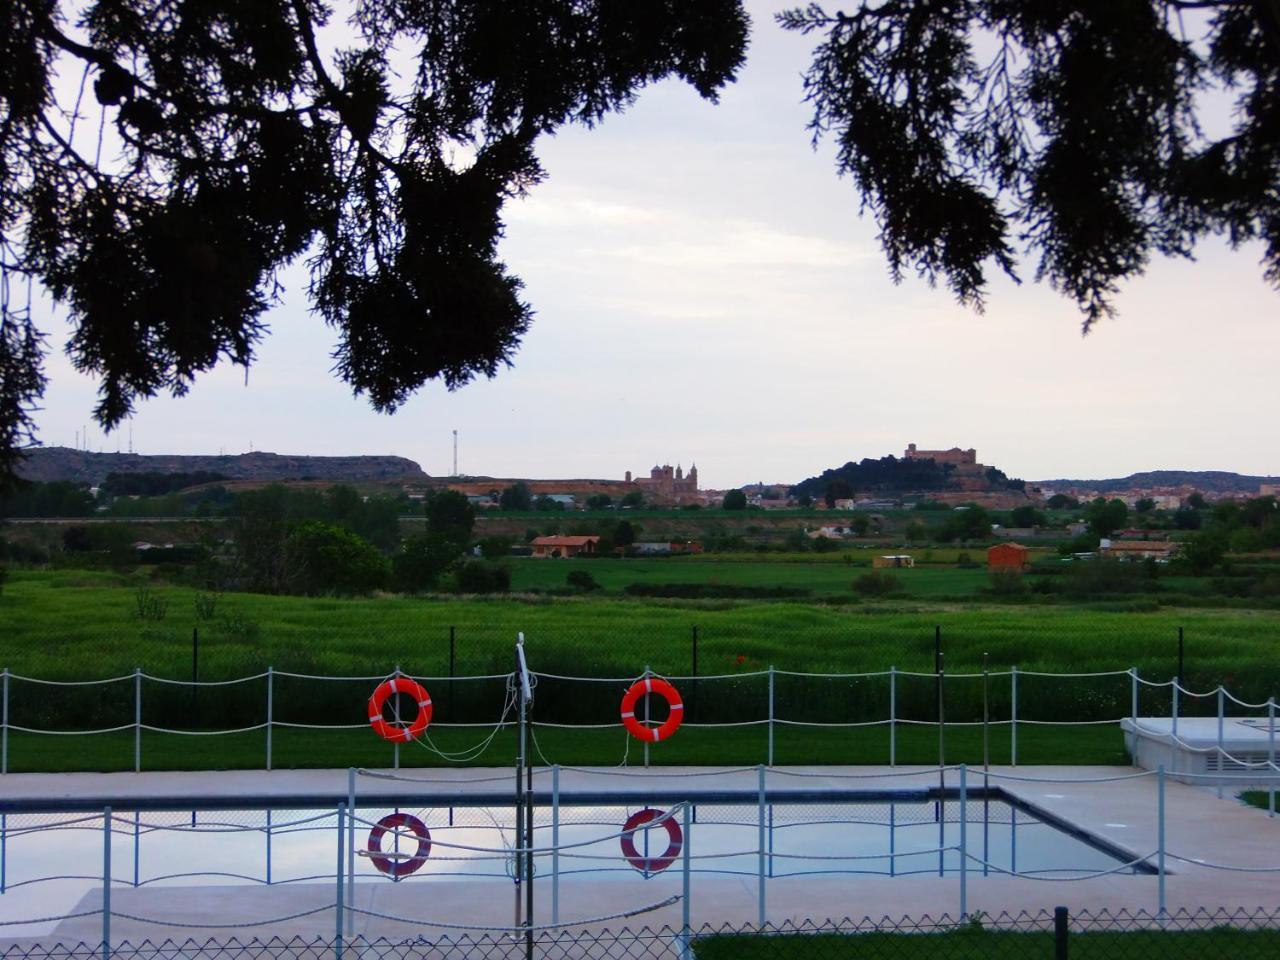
(1203, 552)
(860, 524)
(971, 522)
(547, 504)
(1144, 505)
(1074, 128)
(1106, 516)
(837, 489)
(475, 576)
(422, 561)
(599, 501)
(633, 499)
(582, 580)
(735, 500)
(1196, 501)
(516, 497)
(325, 559)
(1026, 516)
(248, 135)
(915, 530)
(1062, 501)
(451, 516)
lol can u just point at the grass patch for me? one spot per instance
(1260, 799)
(976, 943)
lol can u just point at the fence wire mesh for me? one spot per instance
(1099, 935)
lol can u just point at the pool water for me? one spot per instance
(49, 861)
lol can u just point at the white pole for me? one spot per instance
(1271, 755)
(760, 880)
(964, 846)
(1133, 701)
(137, 719)
(1013, 718)
(1222, 754)
(1173, 744)
(555, 843)
(396, 702)
(351, 849)
(338, 899)
(646, 723)
(893, 716)
(270, 711)
(106, 883)
(771, 715)
(1160, 833)
(4, 722)
(686, 953)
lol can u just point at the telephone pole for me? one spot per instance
(455, 453)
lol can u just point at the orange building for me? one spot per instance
(559, 547)
(1009, 556)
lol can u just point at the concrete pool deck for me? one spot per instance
(1198, 826)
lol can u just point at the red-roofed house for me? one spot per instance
(560, 547)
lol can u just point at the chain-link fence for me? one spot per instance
(1057, 935)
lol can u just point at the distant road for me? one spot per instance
(32, 521)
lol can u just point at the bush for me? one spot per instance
(582, 580)
(877, 583)
(324, 558)
(476, 576)
(1008, 583)
(713, 591)
(148, 605)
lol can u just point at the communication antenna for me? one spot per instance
(455, 453)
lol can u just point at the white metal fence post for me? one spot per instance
(137, 719)
(1013, 717)
(686, 887)
(964, 845)
(761, 866)
(1173, 742)
(555, 843)
(351, 849)
(1160, 833)
(270, 710)
(106, 883)
(1271, 755)
(1221, 752)
(893, 716)
(646, 723)
(396, 702)
(1133, 700)
(341, 871)
(4, 721)
(771, 714)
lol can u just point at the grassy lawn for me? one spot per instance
(78, 625)
(828, 576)
(1260, 799)
(980, 944)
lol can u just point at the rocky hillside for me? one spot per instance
(81, 466)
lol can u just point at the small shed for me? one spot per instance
(894, 560)
(1009, 556)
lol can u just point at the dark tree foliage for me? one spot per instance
(969, 126)
(886, 475)
(236, 140)
(153, 484)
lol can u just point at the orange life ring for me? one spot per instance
(399, 867)
(663, 689)
(389, 731)
(675, 841)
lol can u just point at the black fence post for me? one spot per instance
(1182, 676)
(1059, 933)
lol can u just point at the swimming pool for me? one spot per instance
(49, 861)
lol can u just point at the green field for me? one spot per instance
(975, 943)
(823, 574)
(76, 625)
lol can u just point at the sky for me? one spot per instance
(705, 291)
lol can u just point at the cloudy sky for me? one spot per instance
(706, 291)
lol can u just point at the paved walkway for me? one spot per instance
(1199, 826)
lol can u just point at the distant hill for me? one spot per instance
(1206, 481)
(80, 466)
